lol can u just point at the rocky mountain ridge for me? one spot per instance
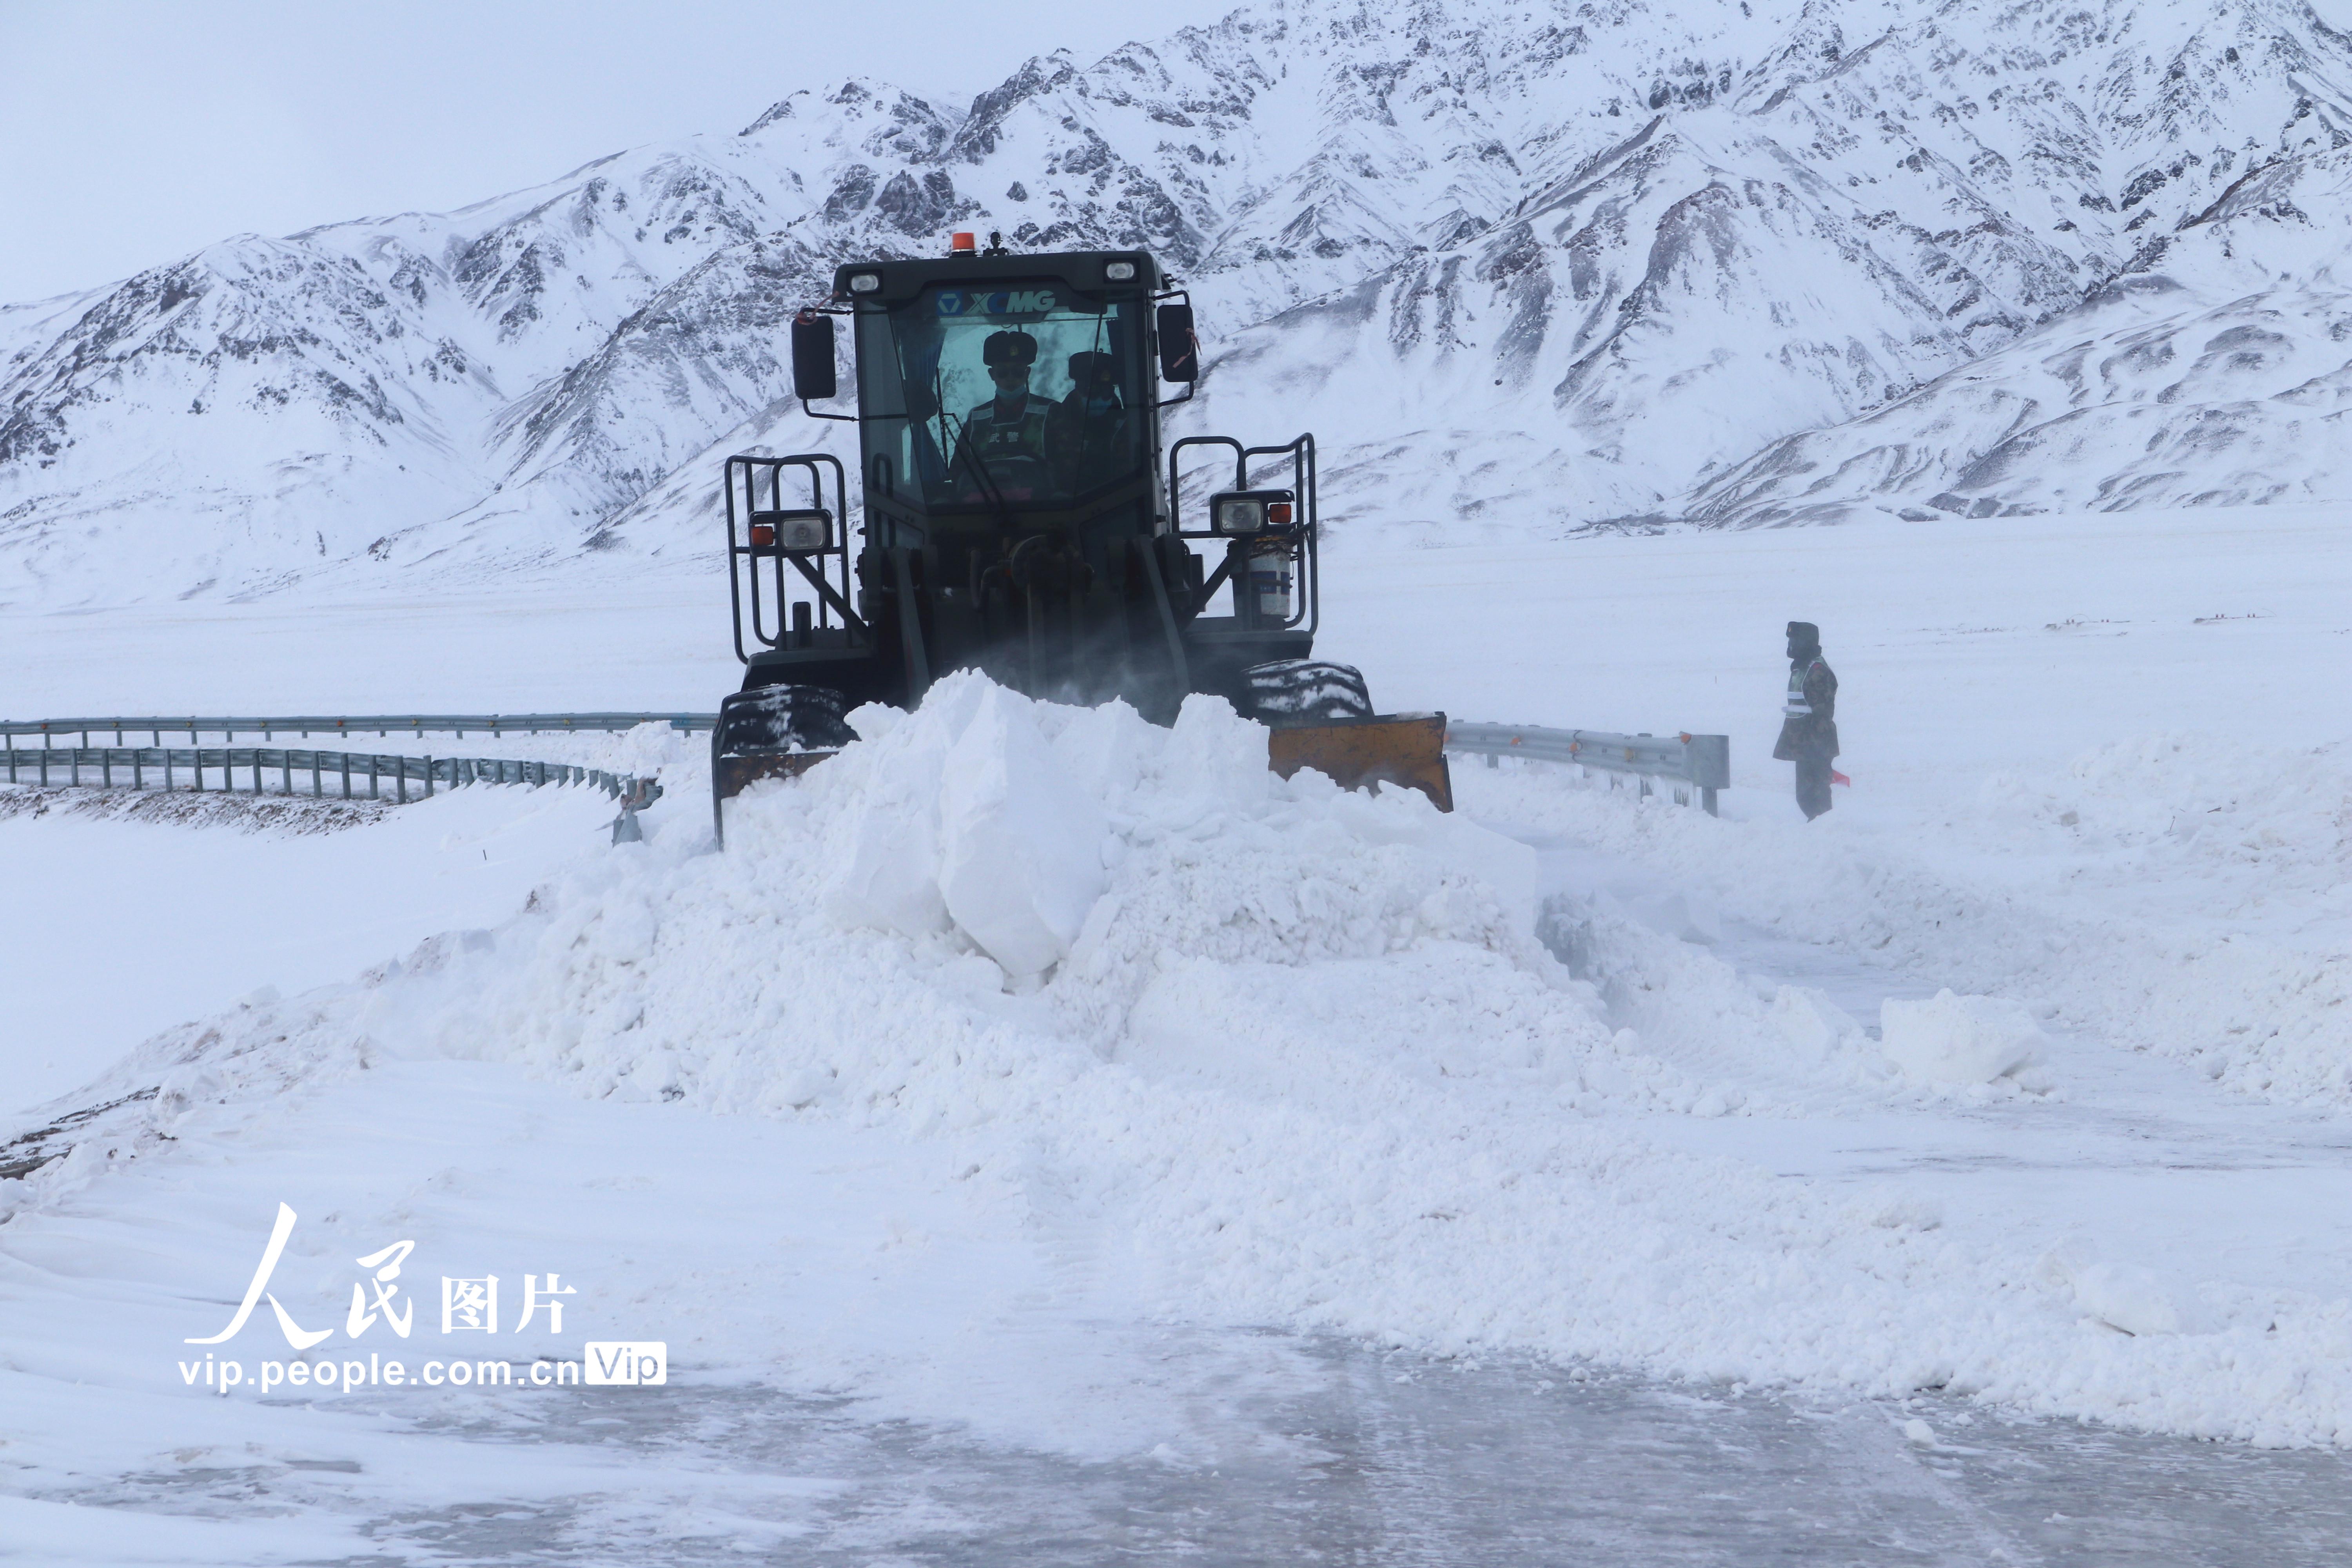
(1521, 265)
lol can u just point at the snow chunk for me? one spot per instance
(2121, 1295)
(963, 815)
(1021, 859)
(1951, 1039)
(1810, 1021)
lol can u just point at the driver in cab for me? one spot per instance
(1005, 437)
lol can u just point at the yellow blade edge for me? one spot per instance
(1408, 750)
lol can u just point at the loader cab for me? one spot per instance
(1020, 399)
(1003, 395)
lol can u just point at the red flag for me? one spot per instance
(1838, 778)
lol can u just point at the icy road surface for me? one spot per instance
(1067, 1439)
(1256, 1224)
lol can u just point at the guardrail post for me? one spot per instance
(428, 778)
(1710, 766)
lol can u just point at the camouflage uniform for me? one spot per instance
(1003, 450)
(1009, 446)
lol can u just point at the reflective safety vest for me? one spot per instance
(1798, 706)
(1019, 438)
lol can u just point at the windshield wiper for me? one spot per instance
(965, 451)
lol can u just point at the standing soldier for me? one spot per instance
(1809, 736)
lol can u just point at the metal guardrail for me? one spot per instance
(1700, 762)
(171, 769)
(381, 724)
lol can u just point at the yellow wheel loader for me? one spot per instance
(1020, 515)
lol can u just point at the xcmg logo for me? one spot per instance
(999, 302)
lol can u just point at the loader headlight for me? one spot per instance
(1245, 512)
(1119, 271)
(865, 282)
(1240, 514)
(792, 532)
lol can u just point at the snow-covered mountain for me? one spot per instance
(1522, 264)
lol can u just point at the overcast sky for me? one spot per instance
(133, 133)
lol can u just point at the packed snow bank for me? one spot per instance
(141, 911)
(1286, 1056)
(2191, 824)
(2178, 894)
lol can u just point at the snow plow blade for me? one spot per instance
(1403, 749)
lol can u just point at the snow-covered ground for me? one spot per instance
(1061, 1104)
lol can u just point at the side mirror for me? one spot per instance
(1179, 352)
(813, 372)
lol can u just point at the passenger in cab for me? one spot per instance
(1088, 433)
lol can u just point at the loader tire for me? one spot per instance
(1301, 691)
(771, 731)
(781, 719)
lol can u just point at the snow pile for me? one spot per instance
(991, 877)
(2245, 830)
(2002, 899)
(1952, 1039)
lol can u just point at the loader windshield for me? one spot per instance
(1013, 394)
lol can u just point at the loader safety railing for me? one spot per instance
(1689, 764)
(342, 775)
(51, 730)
